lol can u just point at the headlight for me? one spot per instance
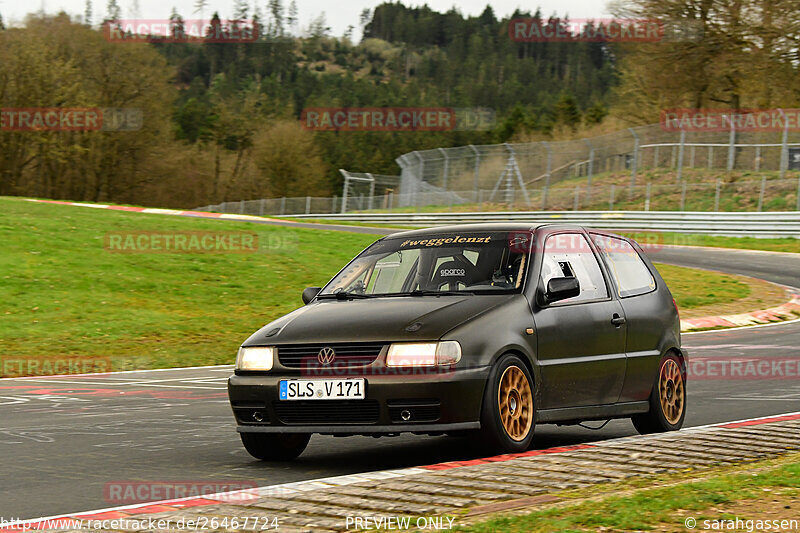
(424, 354)
(255, 358)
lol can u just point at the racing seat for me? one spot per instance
(451, 273)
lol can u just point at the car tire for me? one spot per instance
(667, 399)
(509, 412)
(275, 446)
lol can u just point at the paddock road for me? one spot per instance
(63, 440)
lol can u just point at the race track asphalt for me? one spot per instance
(63, 440)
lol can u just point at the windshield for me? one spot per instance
(487, 262)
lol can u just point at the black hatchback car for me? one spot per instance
(487, 328)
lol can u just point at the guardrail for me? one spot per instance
(747, 224)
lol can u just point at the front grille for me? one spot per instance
(327, 411)
(347, 355)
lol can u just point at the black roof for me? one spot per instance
(481, 227)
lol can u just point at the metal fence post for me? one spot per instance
(692, 150)
(591, 162)
(344, 194)
(798, 194)
(261, 207)
(241, 207)
(418, 183)
(757, 162)
(548, 174)
(680, 154)
(446, 169)
(611, 199)
(784, 145)
(710, 156)
(683, 196)
(308, 205)
(477, 170)
(655, 157)
(716, 196)
(761, 193)
(731, 144)
(283, 205)
(635, 162)
(647, 199)
(371, 190)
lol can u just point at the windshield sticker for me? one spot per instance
(448, 240)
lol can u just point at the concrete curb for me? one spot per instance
(444, 492)
(788, 311)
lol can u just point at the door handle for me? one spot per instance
(617, 320)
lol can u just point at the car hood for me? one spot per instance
(374, 320)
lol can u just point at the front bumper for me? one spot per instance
(436, 403)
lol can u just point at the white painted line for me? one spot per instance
(120, 384)
(720, 249)
(102, 374)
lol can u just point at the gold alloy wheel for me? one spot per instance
(515, 400)
(671, 391)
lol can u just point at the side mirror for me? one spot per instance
(309, 293)
(561, 288)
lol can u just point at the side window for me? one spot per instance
(629, 271)
(569, 254)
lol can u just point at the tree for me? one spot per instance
(566, 111)
(87, 13)
(276, 13)
(363, 19)
(200, 7)
(289, 162)
(241, 10)
(292, 18)
(176, 26)
(113, 11)
(319, 26)
(717, 54)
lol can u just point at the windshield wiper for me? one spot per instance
(344, 295)
(427, 292)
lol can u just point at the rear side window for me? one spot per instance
(569, 255)
(631, 274)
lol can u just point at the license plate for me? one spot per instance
(321, 389)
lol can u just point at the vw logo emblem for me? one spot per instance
(326, 355)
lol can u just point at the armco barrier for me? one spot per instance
(747, 224)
